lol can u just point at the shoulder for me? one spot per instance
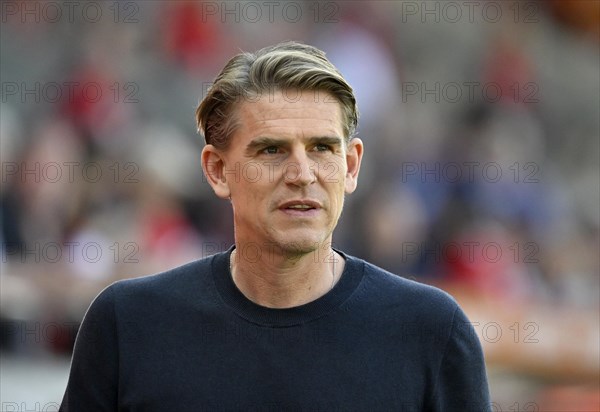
(411, 312)
(401, 299)
(393, 287)
(178, 284)
(195, 271)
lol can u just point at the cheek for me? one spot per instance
(336, 194)
(251, 181)
(257, 193)
(331, 170)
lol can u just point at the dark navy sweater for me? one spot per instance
(189, 340)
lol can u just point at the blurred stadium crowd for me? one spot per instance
(481, 170)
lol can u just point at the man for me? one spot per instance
(280, 321)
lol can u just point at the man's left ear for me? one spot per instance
(354, 156)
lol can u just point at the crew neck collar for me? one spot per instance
(262, 315)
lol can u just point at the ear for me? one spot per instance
(213, 165)
(354, 156)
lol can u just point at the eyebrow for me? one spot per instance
(263, 141)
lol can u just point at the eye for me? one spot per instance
(322, 147)
(270, 150)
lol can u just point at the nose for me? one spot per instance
(300, 169)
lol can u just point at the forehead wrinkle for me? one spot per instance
(270, 116)
(264, 112)
(288, 133)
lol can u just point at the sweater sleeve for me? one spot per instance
(93, 378)
(461, 384)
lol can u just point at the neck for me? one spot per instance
(283, 281)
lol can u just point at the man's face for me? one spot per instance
(287, 170)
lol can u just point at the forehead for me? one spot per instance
(291, 112)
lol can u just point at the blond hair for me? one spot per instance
(285, 66)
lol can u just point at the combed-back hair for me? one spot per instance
(285, 66)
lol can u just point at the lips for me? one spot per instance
(300, 205)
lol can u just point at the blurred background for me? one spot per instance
(481, 172)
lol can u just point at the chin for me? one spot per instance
(299, 244)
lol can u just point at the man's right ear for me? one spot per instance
(213, 165)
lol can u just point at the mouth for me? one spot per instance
(300, 207)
